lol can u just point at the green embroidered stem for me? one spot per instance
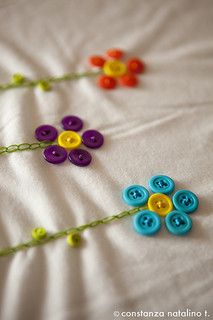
(44, 83)
(24, 147)
(63, 233)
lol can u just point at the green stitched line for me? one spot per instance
(24, 147)
(33, 243)
(48, 80)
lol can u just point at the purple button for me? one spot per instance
(80, 157)
(72, 123)
(92, 139)
(46, 133)
(55, 154)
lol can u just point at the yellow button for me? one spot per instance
(160, 203)
(74, 239)
(39, 233)
(69, 139)
(114, 68)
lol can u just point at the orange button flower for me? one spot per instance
(116, 71)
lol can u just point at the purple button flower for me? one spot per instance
(56, 154)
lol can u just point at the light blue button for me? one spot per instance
(135, 195)
(178, 223)
(185, 200)
(146, 222)
(161, 184)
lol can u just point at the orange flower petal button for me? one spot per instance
(96, 61)
(128, 80)
(135, 65)
(115, 53)
(106, 82)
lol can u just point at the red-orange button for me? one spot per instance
(115, 53)
(106, 82)
(135, 65)
(96, 61)
(128, 80)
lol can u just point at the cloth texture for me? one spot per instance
(164, 126)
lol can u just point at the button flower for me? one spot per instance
(68, 142)
(116, 71)
(175, 211)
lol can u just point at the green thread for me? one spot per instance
(24, 147)
(18, 80)
(60, 234)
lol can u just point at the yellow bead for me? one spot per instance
(39, 233)
(44, 85)
(69, 139)
(17, 78)
(160, 203)
(114, 68)
(74, 239)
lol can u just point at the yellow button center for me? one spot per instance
(114, 68)
(69, 139)
(160, 203)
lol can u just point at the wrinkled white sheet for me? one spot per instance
(164, 126)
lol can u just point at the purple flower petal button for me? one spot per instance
(46, 133)
(72, 123)
(55, 154)
(92, 139)
(80, 157)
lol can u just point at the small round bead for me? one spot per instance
(74, 239)
(44, 85)
(39, 233)
(106, 82)
(17, 78)
(115, 53)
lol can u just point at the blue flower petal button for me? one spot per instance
(185, 200)
(178, 223)
(161, 184)
(135, 195)
(146, 223)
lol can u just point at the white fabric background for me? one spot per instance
(164, 126)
